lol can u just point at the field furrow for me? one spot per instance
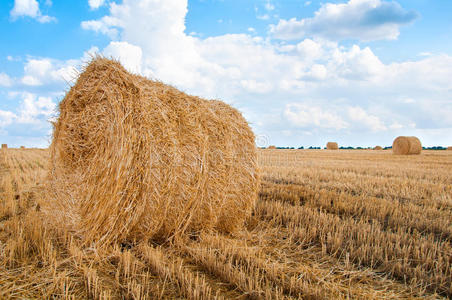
(327, 225)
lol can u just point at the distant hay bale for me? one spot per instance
(137, 159)
(22, 147)
(406, 145)
(271, 147)
(4, 146)
(449, 148)
(378, 148)
(332, 146)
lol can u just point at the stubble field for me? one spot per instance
(327, 225)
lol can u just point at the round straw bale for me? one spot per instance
(378, 148)
(4, 146)
(449, 148)
(271, 147)
(406, 145)
(332, 146)
(138, 159)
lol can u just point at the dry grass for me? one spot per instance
(133, 159)
(328, 225)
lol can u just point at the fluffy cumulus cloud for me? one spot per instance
(95, 4)
(5, 80)
(38, 72)
(308, 86)
(35, 109)
(308, 89)
(29, 123)
(356, 19)
(365, 120)
(30, 8)
(6, 118)
(129, 55)
(305, 116)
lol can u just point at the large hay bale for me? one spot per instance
(406, 145)
(4, 146)
(332, 146)
(137, 159)
(378, 148)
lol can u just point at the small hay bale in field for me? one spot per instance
(271, 147)
(4, 146)
(406, 145)
(138, 159)
(332, 146)
(449, 148)
(378, 148)
(22, 147)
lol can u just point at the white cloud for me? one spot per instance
(95, 4)
(266, 78)
(356, 19)
(6, 118)
(317, 72)
(309, 50)
(308, 116)
(29, 8)
(38, 72)
(25, 8)
(362, 118)
(396, 126)
(425, 54)
(357, 64)
(264, 17)
(129, 55)
(34, 109)
(353, 90)
(46, 19)
(269, 6)
(256, 87)
(5, 80)
(106, 25)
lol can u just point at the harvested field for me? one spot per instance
(327, 225)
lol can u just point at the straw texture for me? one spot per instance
(332, 146)
(133, 159)
(405, 145)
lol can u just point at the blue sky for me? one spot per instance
(359, 72)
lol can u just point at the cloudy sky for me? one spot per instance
(359, 72)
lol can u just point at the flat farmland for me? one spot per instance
(328, 224)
